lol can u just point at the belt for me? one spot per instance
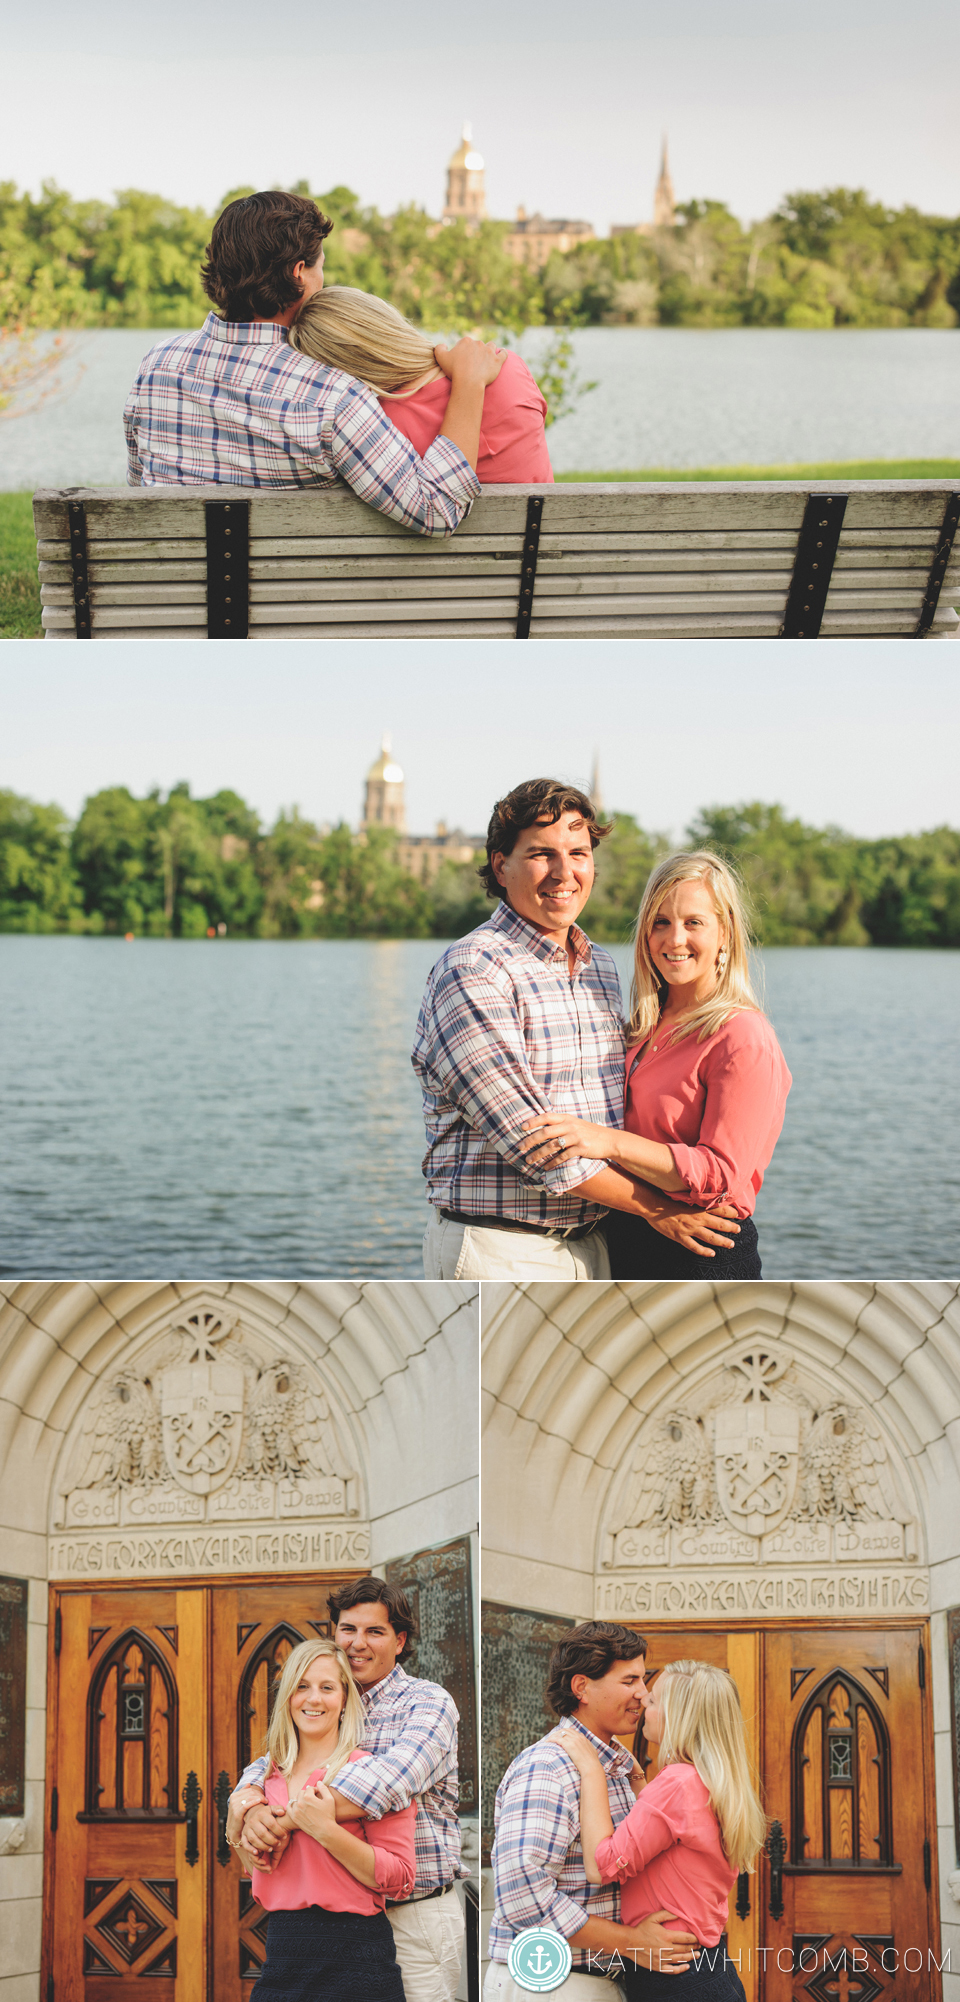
(392, 1903)
(516, 1223)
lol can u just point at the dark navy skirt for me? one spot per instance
(709, 1978)
(637, 1251)
(319, 1956)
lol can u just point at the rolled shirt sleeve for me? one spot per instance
(394, 1854)
(648, 1828)
(747, 1083)
(252, 1775)
(538, 1823)
(429, 495)
(477, 1057)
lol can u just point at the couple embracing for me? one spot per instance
(347, 1821)
(562, 1142)
(634, 1873)
(289, 383)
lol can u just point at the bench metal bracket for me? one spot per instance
(528, 566)
(813, 566)
(82, 615)
(941, 557)
(228, 569)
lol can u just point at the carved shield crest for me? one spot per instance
(757, 1447)
(202, 1414)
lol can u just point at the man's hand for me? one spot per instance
(661, 1951)
(470, 361)
(698, 1229)
(263, 1860)
(263, 1838)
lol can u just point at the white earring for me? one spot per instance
(721, 959)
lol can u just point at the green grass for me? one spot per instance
(19, 585)
(854, 469)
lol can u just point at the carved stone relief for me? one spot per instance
(761, 1470)
(211, 1426)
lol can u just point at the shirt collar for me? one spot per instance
(239, 333)
(505, 919)
(615, 1757)
(389, 1686)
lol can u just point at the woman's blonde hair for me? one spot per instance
(702, 1726)
(365, 337)
(282, 1743)
(733, 990)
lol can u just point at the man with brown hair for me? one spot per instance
(597, 1682)
(233, 404)
(524, 1016)
(411, 1738)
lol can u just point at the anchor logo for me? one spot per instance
(539, 1959)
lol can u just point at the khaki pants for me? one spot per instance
(428, 1933)
(467, 1251)
(499, 1986)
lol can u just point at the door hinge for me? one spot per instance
(57, 1630)
(54, 1810)
(926, 1866)
(921, 1668)
(49, 1988)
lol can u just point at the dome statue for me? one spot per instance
(466, 183)
(384, 804)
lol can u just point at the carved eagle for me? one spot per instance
(844, 1474)
(121, 1444)
(289, 1430)
(672, 1476)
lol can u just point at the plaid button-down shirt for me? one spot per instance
(411, 1736)
(235, 405)
(538, 1868)
(504, 1033)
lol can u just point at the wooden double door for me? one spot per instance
(159, 1695)
(843, 1905)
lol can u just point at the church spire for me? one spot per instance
(664, 212)
(595, 796)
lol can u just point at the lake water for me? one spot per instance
(247, 1110)
(667, 396)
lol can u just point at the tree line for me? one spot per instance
(822, 259)
(179, 867)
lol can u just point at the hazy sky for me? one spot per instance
(567, 103)
(860, 734)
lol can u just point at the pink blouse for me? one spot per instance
(717, 1105)
(667, 1856)
(513, 445)
(309, 1875)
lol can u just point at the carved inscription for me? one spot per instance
(735, 1593)
(271, 1547)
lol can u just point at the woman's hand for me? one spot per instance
(638, 1779)
(556, 1137)
(696, 1230)
(314, 1810)
(577, 1748)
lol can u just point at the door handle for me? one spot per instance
(192, 1796)
(221, 1795)
(776, 1851)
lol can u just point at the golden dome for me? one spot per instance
(384, 768)
(465, 155)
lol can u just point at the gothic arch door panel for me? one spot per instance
(255, 1625)
(849, 1898)
(128, 1725)
(738, 1651)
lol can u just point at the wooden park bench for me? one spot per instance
(704, 560)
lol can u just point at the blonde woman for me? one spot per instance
(690, 1832)
(328, 1938)
(706, 1081)
(360, 334)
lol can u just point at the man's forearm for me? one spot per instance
(604, 1934)
(618, 1190)
(463, 418)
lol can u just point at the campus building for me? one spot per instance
(466, 197)
(533, 238)
(384, 805)
(766, 1477)
(187, 1472)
